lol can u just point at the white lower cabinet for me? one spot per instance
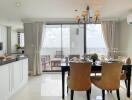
(16, 74)
(13, 76)
(25, 70)
(4, 82)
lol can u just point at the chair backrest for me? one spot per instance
(72, 56)
(111, 73)
(80, 76)
(45, 58)
(59, 54)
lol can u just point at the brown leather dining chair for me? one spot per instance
(79, 78)
(126, 61)
(110, 78)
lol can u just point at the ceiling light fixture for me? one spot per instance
(18, 4)
(87, 18)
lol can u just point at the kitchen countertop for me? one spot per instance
(16, 58)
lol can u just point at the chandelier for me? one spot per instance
(87, 18)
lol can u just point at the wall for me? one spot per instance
(125, 38)
(13, 41)
(9, 40)
(3, 38)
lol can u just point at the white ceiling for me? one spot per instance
(52, 9)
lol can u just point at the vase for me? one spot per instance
(94, 60)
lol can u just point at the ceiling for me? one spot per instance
(13, 11)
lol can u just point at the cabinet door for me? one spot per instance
(21, 70)
(17, 74)
(4, 83)
(25, 70)
(10, 67)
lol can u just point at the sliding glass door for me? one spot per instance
(60, 41)
(76, 39)
(65, 40)
(56, 44)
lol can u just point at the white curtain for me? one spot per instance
(33, 41)
(110, 35)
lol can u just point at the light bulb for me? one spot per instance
(84, 13)
(97, 13)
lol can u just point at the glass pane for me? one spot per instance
(66, 39)
(95, 40)
(56, 46)
(52, 36)
(76, 39)
(51, 48)
(21, 39)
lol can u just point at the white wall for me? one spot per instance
(125, 38)
(13, 41)
(3, 38)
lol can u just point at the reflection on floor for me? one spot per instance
(48, 87)
(48, 68)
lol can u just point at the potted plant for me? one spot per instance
(18, 48)
(94, 57)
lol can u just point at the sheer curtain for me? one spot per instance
(110, 34)
(33, 40)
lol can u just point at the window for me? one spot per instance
(95, 40)
(21, 39)
(56, 38)
(53, 36)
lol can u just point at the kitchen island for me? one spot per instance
(13, 76)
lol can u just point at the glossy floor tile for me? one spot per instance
(48, 87)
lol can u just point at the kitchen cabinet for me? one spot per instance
(13, 76)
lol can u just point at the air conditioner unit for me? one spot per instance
(129, 19)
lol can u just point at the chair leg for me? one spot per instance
(95, 74)
(110, 91)
(103, 94)
(90, 90)
(126, 83)
(88, 94)
(67, 89)
(72, 94)
(118, 94)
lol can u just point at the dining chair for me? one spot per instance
(79, 78)
(127, 61)
(110, 78)
(59, 54)
(45, 59)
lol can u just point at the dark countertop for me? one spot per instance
(17, 58)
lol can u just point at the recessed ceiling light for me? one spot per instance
(18, 4)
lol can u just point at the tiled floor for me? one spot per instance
(48, 87)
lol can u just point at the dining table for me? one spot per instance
(65, 67)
